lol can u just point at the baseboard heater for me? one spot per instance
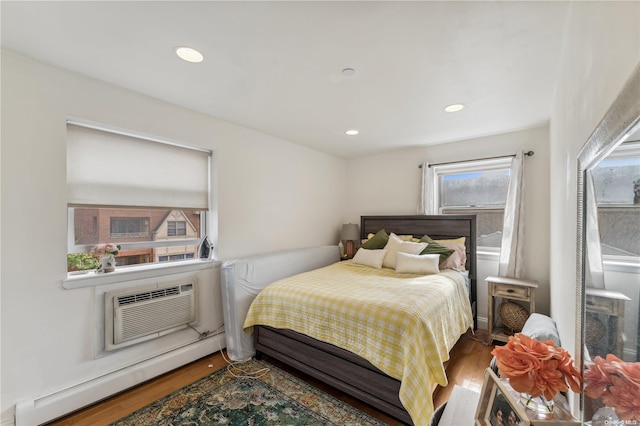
(144, 313)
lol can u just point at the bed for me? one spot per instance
(352, 373)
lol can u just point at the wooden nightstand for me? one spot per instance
(512, 289)
(611, 304)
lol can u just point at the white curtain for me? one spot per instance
(594, 270)
(427, 203)
(511, 262)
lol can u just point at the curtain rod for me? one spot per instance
(528, 154)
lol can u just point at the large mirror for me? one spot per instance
(608, 270)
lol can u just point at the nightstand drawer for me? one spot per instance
(511, 291)
(507, 289)
(600, 304)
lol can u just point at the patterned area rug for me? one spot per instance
(272, 397)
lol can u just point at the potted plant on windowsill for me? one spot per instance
(81, 262)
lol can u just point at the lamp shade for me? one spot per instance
(350, 232)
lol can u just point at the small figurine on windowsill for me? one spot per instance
(106, 255)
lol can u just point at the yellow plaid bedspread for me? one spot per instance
(403, 324)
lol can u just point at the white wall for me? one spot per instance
(271, 194)
(389, 183)
(602, 46)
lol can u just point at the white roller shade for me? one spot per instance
(111, 169)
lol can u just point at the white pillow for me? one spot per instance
(371, 258)
(418, 264)
(396, 245)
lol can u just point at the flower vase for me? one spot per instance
(107, 263)
(538, 404)
(605, 416)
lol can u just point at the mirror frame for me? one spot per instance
(617, 124)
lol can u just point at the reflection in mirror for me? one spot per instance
(613, 189)
(609, 262)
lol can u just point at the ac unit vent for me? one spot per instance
(148, 313)
(148, 295)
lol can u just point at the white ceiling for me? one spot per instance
(276, 66)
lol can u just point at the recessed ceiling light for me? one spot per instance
(351, 132)
(348, 72)
(454, 108)
(188, 54)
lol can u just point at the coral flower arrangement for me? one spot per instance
(539, 369)
(618, 384)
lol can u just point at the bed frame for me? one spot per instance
(344, 370)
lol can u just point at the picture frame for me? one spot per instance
(497, 406)
(498, 401)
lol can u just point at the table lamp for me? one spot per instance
(350, 233)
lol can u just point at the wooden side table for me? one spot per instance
(611, 304)
(512, 289)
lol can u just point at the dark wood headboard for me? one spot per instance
(436, 227)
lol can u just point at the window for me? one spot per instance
(175, 257)
(150, 197)
(617, 185)
(476, 187)
(128, 226)
(176, 228)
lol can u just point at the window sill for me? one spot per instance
(630, 265)
(488, 253)
(130, 273)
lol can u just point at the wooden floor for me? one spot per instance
(469, 358)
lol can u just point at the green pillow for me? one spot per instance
(435, 248)
(377, 242)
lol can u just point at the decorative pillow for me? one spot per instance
(460, 240)
(376, 242)
(402, 237)
(458, 259)
(371, 258)
(435, 248)
(409, 238)
(417, 264)
(396, 245)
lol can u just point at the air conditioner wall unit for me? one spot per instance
(144, 313)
